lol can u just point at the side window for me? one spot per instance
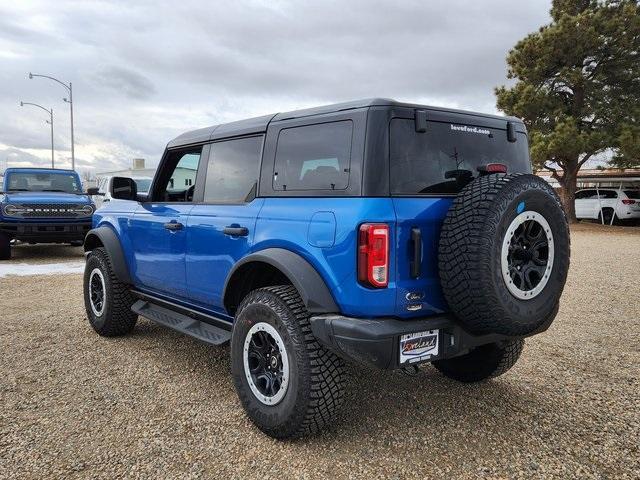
(178, 176)
(314, 157)
(233, 170)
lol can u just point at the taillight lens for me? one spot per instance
(373, 254)
(628, 201)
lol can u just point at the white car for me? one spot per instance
(104, 187)
(615, 203)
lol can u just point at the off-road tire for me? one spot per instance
(317, 376)
(117, 318)
(470, 249)
(5, 247)
(482, 363)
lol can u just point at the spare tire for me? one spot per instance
(504, 255)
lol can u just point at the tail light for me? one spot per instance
(373, 254)
(628, 201)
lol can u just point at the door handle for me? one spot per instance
(173, 226)
(416, 240)
(236, 231)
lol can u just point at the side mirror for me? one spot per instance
(123, 188)
(93, 191)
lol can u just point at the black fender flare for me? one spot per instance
(108, 238)
(303, 276)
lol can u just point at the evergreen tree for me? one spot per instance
(578, 88)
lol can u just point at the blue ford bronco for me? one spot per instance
(43, 205)
(376, 232)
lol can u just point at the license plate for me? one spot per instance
(418, 347)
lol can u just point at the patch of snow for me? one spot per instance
(25, 269)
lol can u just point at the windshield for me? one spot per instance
(43, 182)
(445, 158)
(142, 184)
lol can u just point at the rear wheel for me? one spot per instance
(288, 383)
(5, 247)
(482, 363)
(107, 300)
(605, 216)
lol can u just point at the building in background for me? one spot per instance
(137, 172)
(600, 177)
(138, 169)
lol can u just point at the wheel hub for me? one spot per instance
(527, 255)
(97, 292)
(266, 364)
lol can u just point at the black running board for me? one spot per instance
(193, 327)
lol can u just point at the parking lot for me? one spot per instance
(159, 404)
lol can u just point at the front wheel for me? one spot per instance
(107, 300)
(482, 363)
(288, 384)
(5, 247)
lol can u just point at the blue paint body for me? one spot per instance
(41, 197)
(190, 266)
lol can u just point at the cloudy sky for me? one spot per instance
(145, 71)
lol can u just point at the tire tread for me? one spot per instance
(121, 319)
(327, 378)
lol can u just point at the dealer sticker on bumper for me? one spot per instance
(418, 347)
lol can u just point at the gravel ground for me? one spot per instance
(38, 254)
(158, 404)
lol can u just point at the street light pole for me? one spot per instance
(53, 163)
(50, 122)
(70, 102)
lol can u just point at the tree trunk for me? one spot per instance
(568, 187)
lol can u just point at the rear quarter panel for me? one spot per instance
(305, 226)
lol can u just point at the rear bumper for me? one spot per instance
(376, 342)
(629, 214)
(46, 232)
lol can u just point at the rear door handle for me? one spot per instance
(173, 226)
(236, 231)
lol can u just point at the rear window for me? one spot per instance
(445, 158)
(313, 157)
(635, 194)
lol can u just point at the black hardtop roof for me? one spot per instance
(259, 124)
